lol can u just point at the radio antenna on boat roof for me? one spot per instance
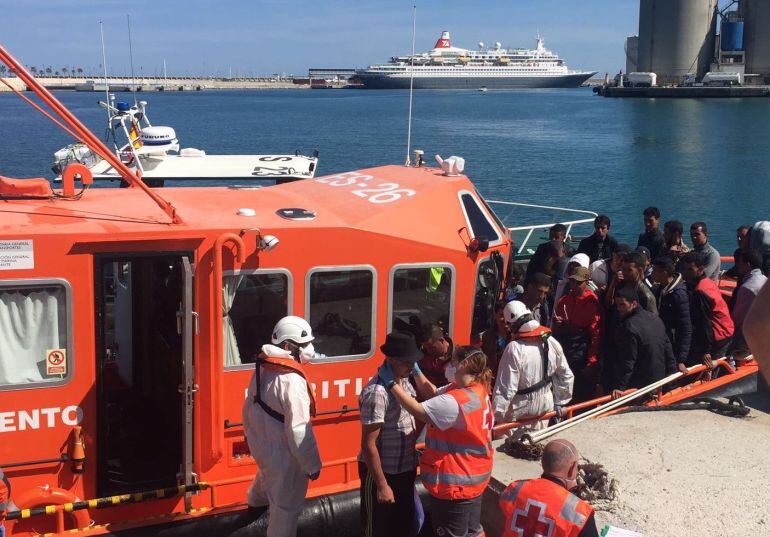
(131, 59)
(104, 64)
(411, 88)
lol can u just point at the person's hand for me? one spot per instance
(682, 368)
(385, 495)
(708, 362)
(557, 321)
(617, 394)
(314, 475)
(619, 275)
(416, 371)
(557, 409)
(385, 373)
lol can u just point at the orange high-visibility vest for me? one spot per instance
(282, 365)
(541, 507)
(457, 463)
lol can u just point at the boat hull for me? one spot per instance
(384, 81)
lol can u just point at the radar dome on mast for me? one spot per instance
(481, 45)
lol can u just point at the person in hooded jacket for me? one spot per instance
(563, 286)
(533, 376)
(276, 420)
(673, 307)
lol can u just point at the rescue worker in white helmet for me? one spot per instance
(276, 419)
(533, 376)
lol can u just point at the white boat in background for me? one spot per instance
(154, 151)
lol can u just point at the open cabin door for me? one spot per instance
(145, 384)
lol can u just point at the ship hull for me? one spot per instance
(383, 81)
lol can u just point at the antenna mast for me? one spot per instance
(131, 57)
(411, 88)
(106, 85)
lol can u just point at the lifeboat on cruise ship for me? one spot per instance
(135, 315)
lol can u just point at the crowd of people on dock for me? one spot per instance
(573, 326)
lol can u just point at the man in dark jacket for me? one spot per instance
(673, 307)
(600, 245)
(551, 257)
(645, 354)
(652, 238)
(633, 277)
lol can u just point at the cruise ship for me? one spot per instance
(448, 67)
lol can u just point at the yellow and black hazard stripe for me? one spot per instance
(109, 501)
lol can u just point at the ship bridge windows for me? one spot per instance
(421, 295)
(340, 307)
(253, 301)
(35, 333)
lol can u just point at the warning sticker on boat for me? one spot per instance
(56, 362)
(17, 255)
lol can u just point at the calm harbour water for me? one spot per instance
(694, 159)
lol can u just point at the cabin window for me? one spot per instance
(340, 308)
(422, 296)
(35, 336)
(252, 304)
(480, 225)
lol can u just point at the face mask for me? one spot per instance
(450, 371)
(306, 353)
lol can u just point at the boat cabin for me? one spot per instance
(137, 336)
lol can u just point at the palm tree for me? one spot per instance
(80, 71)
(64, 71)
(2, 70)
(33, 70)
(48, 70)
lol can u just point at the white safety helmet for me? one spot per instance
(514, 310)
(292, 328)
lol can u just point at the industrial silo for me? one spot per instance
(676, 37)
(632, 53)
(756, 14)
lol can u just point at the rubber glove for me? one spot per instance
(385, 373)
(314, 476)
(416, 371)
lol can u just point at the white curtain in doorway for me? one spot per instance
(230, 352)
(31, 323)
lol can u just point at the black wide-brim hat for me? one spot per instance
(401, 346)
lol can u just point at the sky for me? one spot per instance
(269, 36)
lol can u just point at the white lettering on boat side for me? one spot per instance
(38, 418)
(378, 194)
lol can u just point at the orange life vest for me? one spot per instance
(281, 365)
(457, 463)
(539, 332)
(539, 507)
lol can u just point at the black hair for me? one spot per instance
(674, 226)
(752, 257)
(693, 257)
(540, 280)
(651, 211)
(664, 263)
(553, 249)
(628, 293)
(623, 249)
(426, 332)
(558, 228)
(602, 220)
(634, 257)
(743, 228)
(702, 225)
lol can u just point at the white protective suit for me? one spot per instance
(521, 366)
(285, 452)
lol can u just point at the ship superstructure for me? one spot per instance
(495, 67)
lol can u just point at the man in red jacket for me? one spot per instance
(577, 325)
(712, 326)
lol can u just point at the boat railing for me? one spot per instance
(521, 235)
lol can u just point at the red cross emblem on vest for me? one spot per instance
(532, 522)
